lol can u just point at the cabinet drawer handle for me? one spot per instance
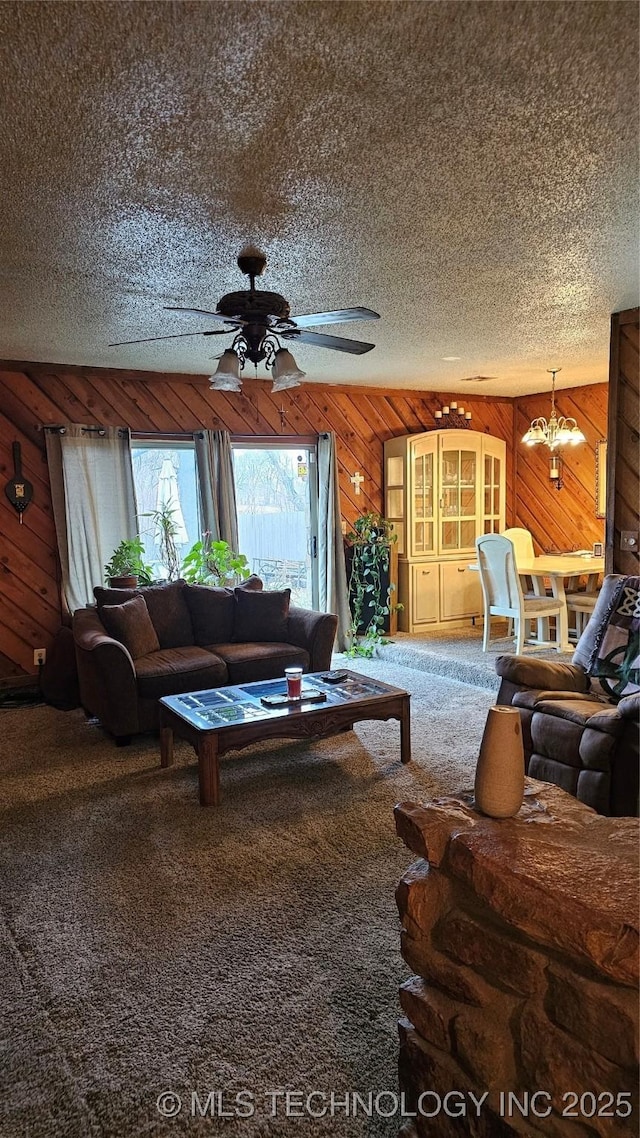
(426, 572)
(463, 570)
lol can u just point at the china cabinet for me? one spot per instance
(442, 490)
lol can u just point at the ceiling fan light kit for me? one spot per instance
(260, 320)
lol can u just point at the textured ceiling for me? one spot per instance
(469, 170)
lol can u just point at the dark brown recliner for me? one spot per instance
(577, 733)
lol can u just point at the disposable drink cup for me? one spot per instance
(294, 682)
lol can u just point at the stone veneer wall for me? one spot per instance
(523, 935)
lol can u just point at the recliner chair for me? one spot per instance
(580, 721)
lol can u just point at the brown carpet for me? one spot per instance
(148, 945)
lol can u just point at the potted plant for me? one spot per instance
(166, 531)
(370, 590)
(126, 569)
(211, 562)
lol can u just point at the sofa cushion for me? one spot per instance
(212, 611)
(167, 609)
(261, 615)
(267, 661)
(130, 623)
(172, 671)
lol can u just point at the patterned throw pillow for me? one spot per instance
(130, 623)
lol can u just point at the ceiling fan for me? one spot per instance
(260, 320)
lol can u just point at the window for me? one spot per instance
(164, 475)
(276, 498)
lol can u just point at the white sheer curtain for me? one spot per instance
(332, 575)
(94, 505)
(214, 460)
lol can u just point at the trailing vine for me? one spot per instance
(370, 603)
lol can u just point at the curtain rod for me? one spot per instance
(169, 435)
(60, 429)
(274, 440)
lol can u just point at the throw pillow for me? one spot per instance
(169, 614)
(167, 609)
(212, 611)
(261, 615)
(130, 623)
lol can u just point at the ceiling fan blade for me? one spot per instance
(338, 343)
(340, 316)
(175, 336)
(199, 312)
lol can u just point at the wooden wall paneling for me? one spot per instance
(623, 485)
(71, 407)
(26, 405)
(361, 418)
(115, 406)
(148, 412)
(560, 519)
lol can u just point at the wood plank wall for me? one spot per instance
(623, 487)
(362, 419)
(562, 519)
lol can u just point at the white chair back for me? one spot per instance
(522, 544)
(498, 577)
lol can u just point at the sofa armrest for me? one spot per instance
(316, 632)
(546, 675)
(629, 706)
(106, 675)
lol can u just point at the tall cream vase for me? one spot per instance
(499, 783)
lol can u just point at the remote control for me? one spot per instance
(334, 677)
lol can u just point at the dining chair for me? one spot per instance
(522, 543)
(582, 604)
(524, 552)
(502, 592)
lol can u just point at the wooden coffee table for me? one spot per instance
(226, 719)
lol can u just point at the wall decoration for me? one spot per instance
(18, 490)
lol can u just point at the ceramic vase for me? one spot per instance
(499, 783)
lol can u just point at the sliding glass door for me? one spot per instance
(277, 503)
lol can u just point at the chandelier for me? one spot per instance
(256, 344)
(557, 432)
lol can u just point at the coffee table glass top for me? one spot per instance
(242, 703)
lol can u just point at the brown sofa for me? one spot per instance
(579, 725)
(137, 645)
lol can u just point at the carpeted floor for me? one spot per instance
(457, 653)
(151, 946)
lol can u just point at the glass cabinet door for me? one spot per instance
(492, 509)
(423, 503)
(458, 489)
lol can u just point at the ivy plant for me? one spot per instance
(370, 602)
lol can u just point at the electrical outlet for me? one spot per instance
(39, 656)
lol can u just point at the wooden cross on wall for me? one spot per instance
(357, 480)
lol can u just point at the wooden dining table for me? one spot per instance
(557, 569)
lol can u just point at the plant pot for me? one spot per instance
(130, 582)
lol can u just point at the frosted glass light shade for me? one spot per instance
(286, 372)
(227, 373)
